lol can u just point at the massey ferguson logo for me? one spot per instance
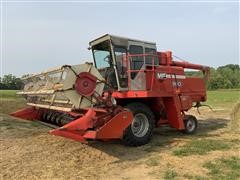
(161, 75)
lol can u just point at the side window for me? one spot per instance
(149, 58)
(121, 61)
(136, 49)
(101, 58)
(120, 54)
(136, 61)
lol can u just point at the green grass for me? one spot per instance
(8, 94)
(170, 174)
(223, 97)
(10, 102)
(201, 147)
(224, 168)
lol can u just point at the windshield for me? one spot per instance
(102, 58)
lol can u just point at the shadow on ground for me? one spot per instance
(163, 139)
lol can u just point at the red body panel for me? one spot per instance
(29, 113)
(93, 125)
(79, 129)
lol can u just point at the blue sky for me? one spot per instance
(38, 36)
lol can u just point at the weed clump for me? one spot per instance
(170, 174)
(153, 161)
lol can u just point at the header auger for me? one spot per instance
(130, 89)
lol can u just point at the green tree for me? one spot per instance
(10, 82)
(226, 77)
(2, 86)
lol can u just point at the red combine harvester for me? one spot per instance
(130, 89)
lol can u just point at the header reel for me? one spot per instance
(66, 88)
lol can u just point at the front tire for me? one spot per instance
(139, 132)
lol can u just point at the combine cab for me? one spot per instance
(130, 89)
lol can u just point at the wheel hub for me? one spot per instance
(190, 125)
(140, 125)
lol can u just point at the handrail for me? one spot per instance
(168, 62)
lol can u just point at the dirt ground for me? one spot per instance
(27, 151)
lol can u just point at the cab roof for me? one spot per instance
(117, 40)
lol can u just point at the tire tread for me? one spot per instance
(128, 138)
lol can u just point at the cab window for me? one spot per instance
(121, 63)
(151, 57)
(136, 61)
(101, 58)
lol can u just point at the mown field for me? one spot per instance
(29, 152)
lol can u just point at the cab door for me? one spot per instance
(136, 66)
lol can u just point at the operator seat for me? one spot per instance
(111, 78)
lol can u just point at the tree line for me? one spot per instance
(223, 77)
(226, 77)
(10, 82)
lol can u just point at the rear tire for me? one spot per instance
(191, 124)
(139, 132)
